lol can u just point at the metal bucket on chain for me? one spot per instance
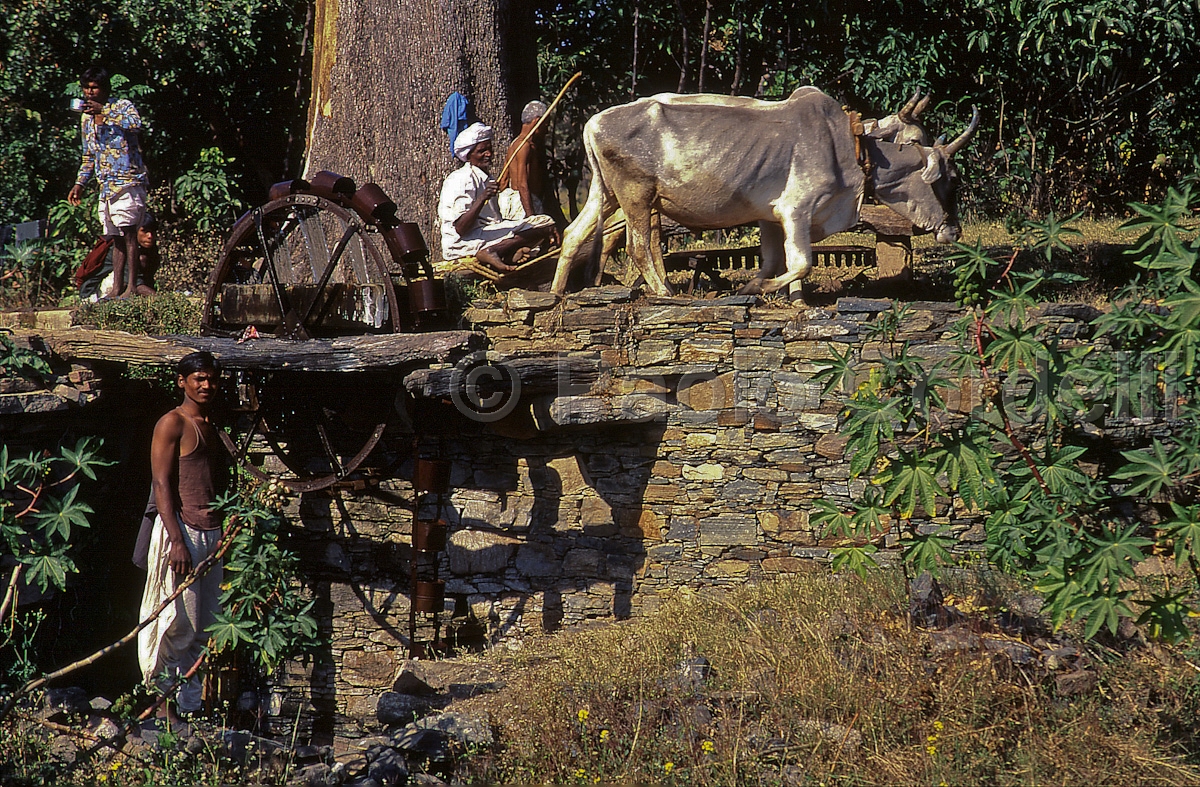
(406, 244)
(427, 298)
(374, 205)
(332, 186)
(286, 188)
(429, 535)
(429, 597)
(432, 475)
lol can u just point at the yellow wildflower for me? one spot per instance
(937, 725)
(604, 736)
(580, 773)
(582, 715)
(668, 767)
(931, 750)
(707, 747)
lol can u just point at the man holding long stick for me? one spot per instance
(191, 470)
(524, 181)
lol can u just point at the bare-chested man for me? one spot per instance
(191, 470)
(522, 186)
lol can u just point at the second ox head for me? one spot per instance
(921, 183)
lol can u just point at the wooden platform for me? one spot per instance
(750, 258)
(528, 275)
(345, 354)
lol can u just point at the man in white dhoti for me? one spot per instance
(471, 221)
(191, 470)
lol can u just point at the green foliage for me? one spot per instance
(206, 192)
(264, 610)
(1083, 105)
(1016, 458)
(157, 315)
(223, 73)
(40, 511)
(18, 362)
(33, 273)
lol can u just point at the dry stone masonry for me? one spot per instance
(692, 461)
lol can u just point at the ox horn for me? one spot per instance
(906, 111)
(964, 137)
(921, 105)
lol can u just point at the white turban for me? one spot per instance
(469, 137)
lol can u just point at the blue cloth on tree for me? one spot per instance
(456, 116)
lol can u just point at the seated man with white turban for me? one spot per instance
(471, 221)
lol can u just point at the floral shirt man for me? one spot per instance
(111, 150)
(112, 154)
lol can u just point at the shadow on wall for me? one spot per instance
(546, 529)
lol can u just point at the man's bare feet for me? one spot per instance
(523, 254)
(491, 259)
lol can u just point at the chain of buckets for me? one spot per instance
(427, 295)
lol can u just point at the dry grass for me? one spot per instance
(818, 679)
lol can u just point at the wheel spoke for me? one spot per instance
(280, 296)
(350, 232)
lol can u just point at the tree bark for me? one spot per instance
(683, 63)
(633, 70)
(382, 70)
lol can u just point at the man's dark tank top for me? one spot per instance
(203, 477)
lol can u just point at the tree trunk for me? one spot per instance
(633, 69)
(382, 70)
(683, 63)
(704, 46)
(736, 88)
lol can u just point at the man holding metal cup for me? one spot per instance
(112, 153)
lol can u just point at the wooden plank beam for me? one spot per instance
(345, 354)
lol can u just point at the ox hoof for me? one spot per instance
(752, 287)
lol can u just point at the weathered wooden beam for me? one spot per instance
(537, 375)
(345, 354)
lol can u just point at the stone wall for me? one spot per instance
(692, 461)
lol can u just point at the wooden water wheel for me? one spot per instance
(304, 267)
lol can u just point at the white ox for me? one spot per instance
(709, 162)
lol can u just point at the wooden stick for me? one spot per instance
(12, 590)
(60, 728)
(537, 125)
